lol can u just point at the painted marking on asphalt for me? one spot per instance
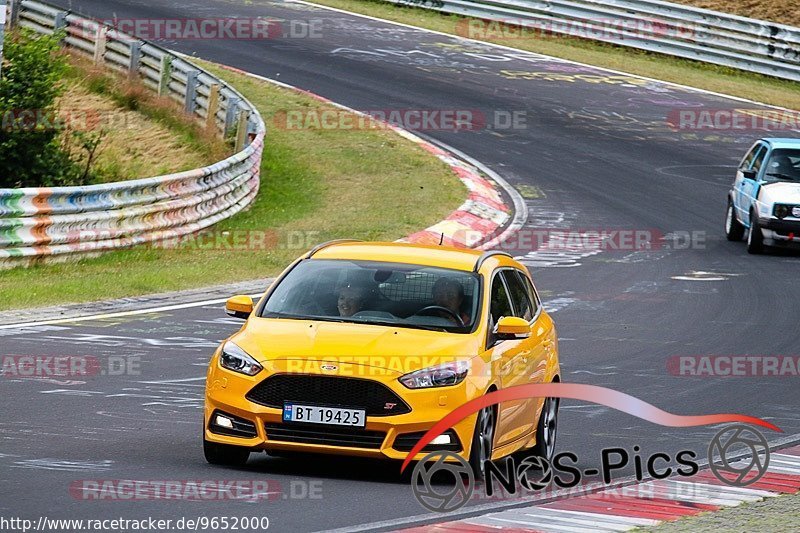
(118, 314)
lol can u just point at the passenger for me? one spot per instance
(351, 300)
(449, 293)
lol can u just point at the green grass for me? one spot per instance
(686, 72)
(316, 185)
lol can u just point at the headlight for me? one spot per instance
(437, 376)
(236, 359)
(781, 211)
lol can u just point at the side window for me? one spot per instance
(531, 292)
(500, 305)
(519, 295)
(748, 159)
(759, 160)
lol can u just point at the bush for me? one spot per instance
(31, 152)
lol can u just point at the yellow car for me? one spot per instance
(359, 348)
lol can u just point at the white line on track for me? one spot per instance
(118, 314)
(568, 61)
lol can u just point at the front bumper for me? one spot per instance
(226, 392)
(780, 232)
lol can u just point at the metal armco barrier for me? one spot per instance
(677, 30)
(45, 223)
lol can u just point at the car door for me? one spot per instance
(509, 360)
(540, 344)
(746, 189)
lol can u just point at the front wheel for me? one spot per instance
(482, 441)
(546, 430)
(225, 454)
(734, 230)
(755, 239)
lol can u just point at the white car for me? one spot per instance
(765, 198)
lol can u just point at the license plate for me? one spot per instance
(315, 414)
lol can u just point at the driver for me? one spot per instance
(449, 293)
(782, 164)
(351, 300)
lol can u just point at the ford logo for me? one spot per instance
(329, 368)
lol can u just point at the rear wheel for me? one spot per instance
(482, 441)
(225, 454)
(734, 229)
(546, 430)
(755, 239)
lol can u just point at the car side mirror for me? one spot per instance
(239, 307)
(749, 174)
(511, 328)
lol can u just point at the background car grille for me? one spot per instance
(325, 435)
(377, 399)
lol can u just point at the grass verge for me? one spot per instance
(686, 72)
(142, 135)
(772, 514)
(316, 185)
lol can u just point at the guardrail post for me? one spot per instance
(60, 21)
(190, 102)
(213, 106)
(166, 75)
(241, 130)
(3, 12)
(230, 113)
(13, 14)
(100, 41)
(136, 58)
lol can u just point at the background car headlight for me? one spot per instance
(437, 376)
(236, 359)
(782, 211)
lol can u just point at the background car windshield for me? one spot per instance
(783, 164)
(377, 293)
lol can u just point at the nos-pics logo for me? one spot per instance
(444, 481)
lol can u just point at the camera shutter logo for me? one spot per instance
(743, 455)
(454, 484)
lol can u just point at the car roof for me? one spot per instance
(398, 252)
(782, 142)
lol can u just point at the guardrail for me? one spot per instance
(677, 30)
(43, 223)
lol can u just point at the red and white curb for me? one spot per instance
(476, 223)
(643, 504)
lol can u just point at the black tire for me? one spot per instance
(482, 441)
(755, 239)
(734, 230)
(547, 430)
(225, 454)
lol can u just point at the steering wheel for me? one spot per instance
(429, 311)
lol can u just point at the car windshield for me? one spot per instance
(783, 165)
(368, 292)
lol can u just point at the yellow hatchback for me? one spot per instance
(360, 348)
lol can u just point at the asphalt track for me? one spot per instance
(596, 154)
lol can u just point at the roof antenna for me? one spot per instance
(441, 240)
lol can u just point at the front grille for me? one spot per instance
(375, 398)
(325, 435)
